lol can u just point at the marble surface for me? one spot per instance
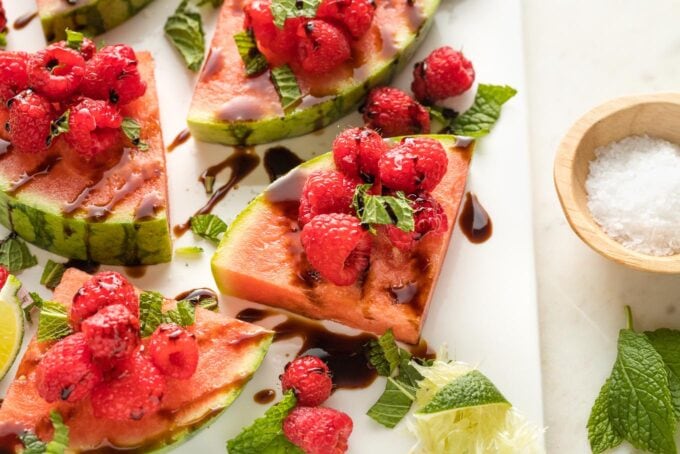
(580, 53)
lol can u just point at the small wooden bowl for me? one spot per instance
(656, 115)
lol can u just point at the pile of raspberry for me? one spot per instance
(335, 242)
(312, 428)
(314, 45)
(37, 89)
(105, 359)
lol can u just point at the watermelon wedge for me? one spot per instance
(232, 109)
(260, 258)
(230, 352)
(116, 216)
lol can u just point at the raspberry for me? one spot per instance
(429, 218)
(310, 379)
(87, 47)
(174, 351)
(112, 75)
(30, 118)
(444, 73)
(66, 371)
(355, 15)
(394, 113)
(318, 430)
(337, 247)
(322, 46)
(101, 290)
(324, 192)
(416, 164)
(357, 153)
(112, 333)
(13, 74)
(4, 274)
(94, 128)
(278, 45)
(56, 72)
(136, 391)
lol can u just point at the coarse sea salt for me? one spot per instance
(634, 193)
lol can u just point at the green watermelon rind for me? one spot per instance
(92, 18)
(206, 128)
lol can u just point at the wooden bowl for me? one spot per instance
(657, 115)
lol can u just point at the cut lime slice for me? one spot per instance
(11, 324)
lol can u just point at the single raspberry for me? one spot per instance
(101, 290)
(416, 164)
(318, 430)
(112, 75)
(278, 45)
(429, 218)
(357, 153)
(310, 379)
(392, 112)
(94, 127)
(337, 246)
(87, 47)
(322, 46)
(4, 274)
(324, 192)
(29, 122)
(444, 73)
(174, 351)
(13, 74)
(66, 371)
(355, 15)
(112, 333)
(56, 72)
(136, 391)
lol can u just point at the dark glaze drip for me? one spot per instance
(24, 20)
(135, 271)
(475, 221)
(25, 178)
(404, 293)
(182, 137)
(252, 315)
(83, 265)
(422, 350)
(278, 161)
(197, 295)
(241, 162)
(213, 63)
(264, 396)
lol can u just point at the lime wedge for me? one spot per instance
(11, 324)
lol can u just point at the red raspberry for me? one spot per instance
(101, 290)
(87, 47)
(444, 73)
(56, 72)
(4, 274)
(112, 75)
(29, 121)
(416, 164)
(337, 246)
(429, 218)
(322, 46)
(310, 379)
(13, 74)
(66, 371)
(112, 333)
(318, 430)
(357, 153)
(174, 351)
(94, 128)
(394, 113)
(355, 15)
(135, 392)
(278, 45)
(324, 192)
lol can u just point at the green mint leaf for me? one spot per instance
(183, 315)
(14, 254)
(58, 445)
(3, 39)
(286, 85)
(601, 433)
(185, 30)
(667, 343)
(287, 9)
(32, 444)
(281, 445)
(214, 3)
(133, 131)
(207, 303)
(253, 59)
(74, 39)
(53, 323)
(208, 226)
(189, 251)
(383, 210)
(400, 391)
(36, 302)
(150, 312)
(51, 275)
(383, 354)
(262, 432)
(470, 390)
(478, 120)
(59, 126)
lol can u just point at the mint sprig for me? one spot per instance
(254, 61)
(287, 9)
(52, 274)
(74, 39)
(287, 87)
(667, 343)
(53, 322)
(383, 210)
(60, 439)
(383, 354)
(470, 390)
(185, 30)
(208, 226)
(133, 131)
(151, 313)
(14, 254)
(478, 120)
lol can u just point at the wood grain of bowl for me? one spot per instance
(656, 115)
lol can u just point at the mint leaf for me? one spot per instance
(53, 323)
(400, 392)
(470, 390)
(264, 430)
(383, 210)
(383, 354)
(150, 312)
(208, 303)
(3, 39)
(253, 59)
(208, 226)
(478, 120)
(601, 433)
(74, 39)
(185, 30)
(286, 9)
(14, 254)
(281, 445)
(133, 131)
(58, 445)
(183, 315)
(446, 117)
(286, 85)
(32, 444)
(667, 343)
(51, 275)
(36, 301)
(214, 3)
(190, 251)
(59, 126)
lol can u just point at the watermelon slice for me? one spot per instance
(230, 352)
(260, 258)
(118, 216)
(232, 109)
